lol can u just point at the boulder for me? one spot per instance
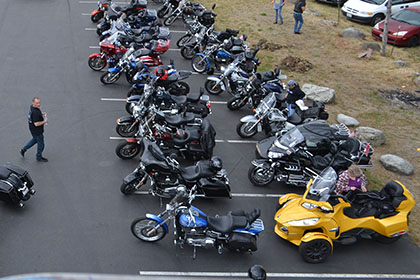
(396, 164)
(349, 121)
(374, 136)
(417, 81)
(352, 33)
(400, 63)
(373, 46)
(317, 93)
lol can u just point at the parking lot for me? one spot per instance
(79, 221)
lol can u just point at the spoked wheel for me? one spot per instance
(96, 17)
(260, 176)
(247, 129)
(213, 87)
(181, 89)
(126, 129)
(109, 78)
(315, 251)
(162, 11)
(97, 63)
(235, 103)
(184, 39)
(126, 150)
(133, 186)
(187, 52)
(199, 64)
(146, 230)
(169, 20)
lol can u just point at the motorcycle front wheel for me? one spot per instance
(260, 176)
(199, 64)
(187, 53)
(126, 150)
(184, 39)
(135, 91)
(96, 17)
(246, 130)
(109, 78)
(131, 187)
(162, 11)
(126, 129)
(213, 87)
(169, 20)
(97, 63)
(235, 103)
(145, 230)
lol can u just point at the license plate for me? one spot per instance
(349, 15)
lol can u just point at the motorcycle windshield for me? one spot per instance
(323, 185)
(290, 139)
(266, 104)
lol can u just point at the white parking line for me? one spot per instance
(280, 275)
(174, 50)
(94, 47)
(217, 140)
(85, 14)
(90, 29)
(178, 31)
(218, 102)
(255, 195)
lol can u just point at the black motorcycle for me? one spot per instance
(306, 150)
(166, 175)
(15, 184)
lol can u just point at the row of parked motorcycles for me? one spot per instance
(166, 122)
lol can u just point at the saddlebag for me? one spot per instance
(22, 174)
(214, 188)
(8, 192)
(242, 242)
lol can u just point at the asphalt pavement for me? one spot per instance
(79, 221)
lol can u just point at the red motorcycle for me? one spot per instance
(152, 58)
(97, 14)
(109, 52)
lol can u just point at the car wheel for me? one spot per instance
(376, 19)
(414, 41)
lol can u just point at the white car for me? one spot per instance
(373, 11)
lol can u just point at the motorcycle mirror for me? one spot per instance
(214, 6)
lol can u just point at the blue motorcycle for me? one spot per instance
(236, 231)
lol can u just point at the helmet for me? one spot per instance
(291, 83)
(257, 272)
(162, 73)
(216, 163)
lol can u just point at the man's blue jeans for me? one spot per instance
(37, 139)
(278, 15)
(298, 21)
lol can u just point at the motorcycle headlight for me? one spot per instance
(309, 206)
(304, 222)
(400, 33)
(274, 155)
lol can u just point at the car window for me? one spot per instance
(397, 2)
(407, 16)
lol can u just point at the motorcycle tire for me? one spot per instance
(315, 251)
(163, 11)
(129, 108)
(126, 150)
(96, 17)
(97, 63)
(256, 179)
(103, 37)
(169, 20)
(199, 64)
(124, 130)
(129, 77)
(140, 229)
(135, 91)
(187, 53)
(245, 132)
(109, 78)
(183, 40)
(182, 89)
(235, 103)
(99, 31)
(213, 88)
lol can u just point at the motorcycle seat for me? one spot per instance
(201, 169)
(142, 52)
(193, 97)
(225, 224)
(4, 173)
(179, 100)
(295, 119)
(179, 119)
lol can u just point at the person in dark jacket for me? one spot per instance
(293, 94)
(300, 7)
(36, 120)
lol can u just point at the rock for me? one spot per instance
(373, 46)
(417, 81)
(401, 63)
(329, 22)
(396, 164)
(374, 136)
(317, 93)
(417, 74)
(352, 33)
(349, 121)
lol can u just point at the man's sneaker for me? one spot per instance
(42, 159)
(22, 153)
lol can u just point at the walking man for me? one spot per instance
(278, 6)
(36, 120)
(300, 7)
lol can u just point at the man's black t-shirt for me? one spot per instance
(35, 115)
(295, 94)
(298, 7)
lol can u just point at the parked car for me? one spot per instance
(333, 2)
(404, 28)
(373, 11)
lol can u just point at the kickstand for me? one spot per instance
(194, 252)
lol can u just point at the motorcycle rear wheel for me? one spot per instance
(109, 78)
(199, 64)
(258, 178)
(126, 150)
(244, 129)
(235, 103)
(142, 229)
(184, 39)
(213, 87)
(169, 20)
(187, 53)
(124, 130)
(97, 63)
